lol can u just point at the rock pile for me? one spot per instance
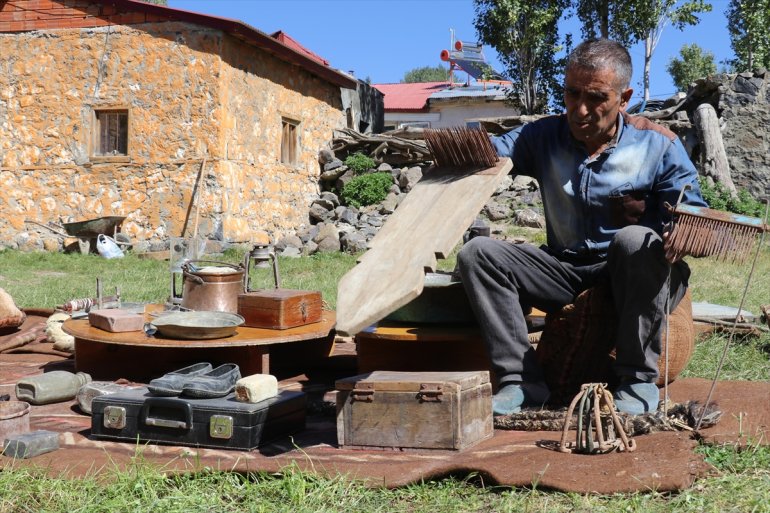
(333, 226)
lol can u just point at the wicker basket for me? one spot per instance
(577, 343)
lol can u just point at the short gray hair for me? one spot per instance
(596, 54)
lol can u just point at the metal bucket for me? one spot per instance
(213, 288)
(14, 418)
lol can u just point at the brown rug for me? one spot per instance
(663, 461)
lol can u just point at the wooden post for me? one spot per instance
(713, 156)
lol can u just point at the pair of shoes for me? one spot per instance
(171, 384)
(198, 380)
(512, 397)
(636, 397)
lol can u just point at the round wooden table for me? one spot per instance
(135, 356)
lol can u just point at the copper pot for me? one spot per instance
(213, 288)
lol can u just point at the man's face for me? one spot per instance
(593, 102)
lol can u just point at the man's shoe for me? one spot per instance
(513, 397)
(636, 397)
(171, 384)
(216, 383)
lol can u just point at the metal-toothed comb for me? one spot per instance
(701, 231)
(460, 147)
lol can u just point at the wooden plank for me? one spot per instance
(428, 224)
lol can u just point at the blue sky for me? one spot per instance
(383, 39)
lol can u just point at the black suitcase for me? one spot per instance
(221, 423)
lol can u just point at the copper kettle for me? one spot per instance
(212, 287)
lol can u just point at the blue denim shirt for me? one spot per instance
(589, 199)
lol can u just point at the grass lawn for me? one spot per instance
(741, 483)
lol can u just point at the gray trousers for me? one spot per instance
(504, 280)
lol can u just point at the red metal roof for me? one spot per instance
(409, 97)
(286, 52)
(292, 43)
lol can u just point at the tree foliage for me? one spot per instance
(637, 20)
(747, 21)
(693, 64)
(426, 74)
(525, 35)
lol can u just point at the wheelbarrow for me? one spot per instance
(88, 231)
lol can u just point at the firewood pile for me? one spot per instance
(398, 147)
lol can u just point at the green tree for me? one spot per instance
(525, 35)
(694, 64)
(747, 21)
(637, 20)
(426, 74)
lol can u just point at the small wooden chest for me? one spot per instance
(417, 410)
(280, 309)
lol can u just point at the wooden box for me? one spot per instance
(414, 410)
(280, 309)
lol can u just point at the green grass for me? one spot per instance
(740, 484)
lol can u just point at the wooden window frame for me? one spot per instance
(100, 114)
(289, 141)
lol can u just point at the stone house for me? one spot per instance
(113, 107)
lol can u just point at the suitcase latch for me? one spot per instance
(430, 392)
(114, 417)
(363, 392)
(221, 426)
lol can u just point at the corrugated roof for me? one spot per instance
(406, 97)
(491, 92)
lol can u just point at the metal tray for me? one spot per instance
(197, 325)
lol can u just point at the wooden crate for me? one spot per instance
(414, 410)
(280, 309)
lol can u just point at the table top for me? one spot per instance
(81, 329)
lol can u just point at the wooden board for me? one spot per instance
(427, 225)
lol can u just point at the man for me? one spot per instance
(604, 177)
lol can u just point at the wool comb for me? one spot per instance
(460, 147)
(701, 231)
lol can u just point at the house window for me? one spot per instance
(111, 133)
(289, 141)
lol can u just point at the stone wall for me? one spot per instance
(191, 92)
(744, 108)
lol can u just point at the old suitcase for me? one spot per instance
(279, 309)
(222, 423)
(418, 410)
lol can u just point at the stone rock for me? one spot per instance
(348, 216)
(329, 244)
(347, 176)
(289, 241)
(142, 246)
(331, 198)
(307, 233)
(496, 211)
(333, 164)
(333, 174)
(319, 214)
(523, 183)
(384, 168)
(325, 156)
(529, 218)
(51, 245)
(260, 237)
(354, 242)
(375, 220)
(325, 231)
(326, 203)
(506, 184)
(310, 248)
(291, 252)
(409, 177)
(389, 204)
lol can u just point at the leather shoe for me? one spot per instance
(171, 384)
(216, 383)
